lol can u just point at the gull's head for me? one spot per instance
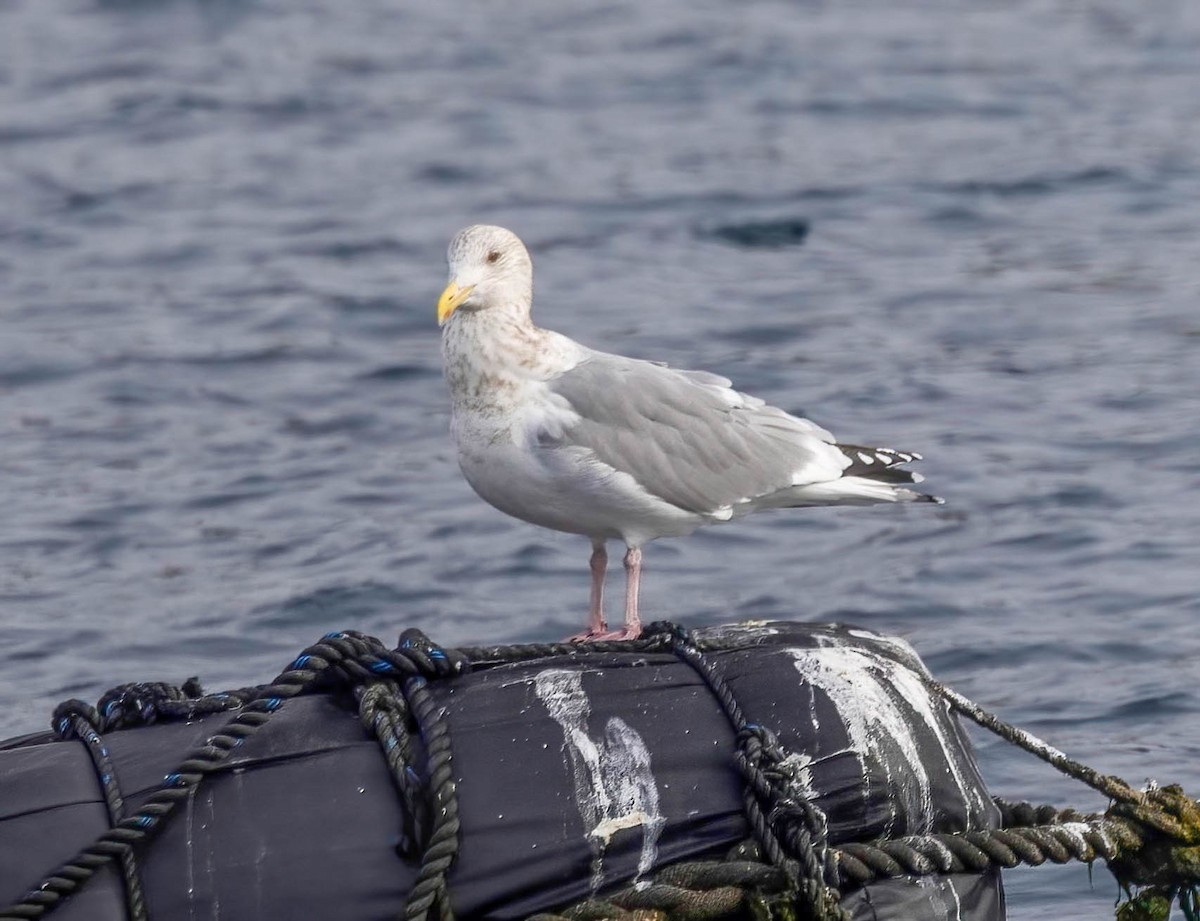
(489, 267)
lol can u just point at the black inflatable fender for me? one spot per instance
(575, 775)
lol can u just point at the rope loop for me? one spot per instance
(383, 710)
(71, 716)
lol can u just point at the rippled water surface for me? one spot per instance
(969, 230)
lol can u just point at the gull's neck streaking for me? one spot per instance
(491, 355)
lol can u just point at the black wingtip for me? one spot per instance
(872, 462)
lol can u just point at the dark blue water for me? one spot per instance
(969, 230)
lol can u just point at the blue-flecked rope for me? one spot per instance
(347, 658)
(70, 721)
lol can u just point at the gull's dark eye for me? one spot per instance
(493, 256)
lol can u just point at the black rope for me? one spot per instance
(74, 718)
(383, 710)
(430, 891)
(791, 830)
(145, 703)
(127, 705)
(656, 637)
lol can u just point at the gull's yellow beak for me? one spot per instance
(450, 300)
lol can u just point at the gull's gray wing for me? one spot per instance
(686, 436)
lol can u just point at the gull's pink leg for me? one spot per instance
(597, 626)
(633, 584)
(599, 566)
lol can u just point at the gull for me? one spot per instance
(615, 448)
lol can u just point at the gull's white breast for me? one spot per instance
(512, 454)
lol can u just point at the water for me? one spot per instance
(968, 230)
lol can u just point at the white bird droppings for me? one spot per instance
(615, 788)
